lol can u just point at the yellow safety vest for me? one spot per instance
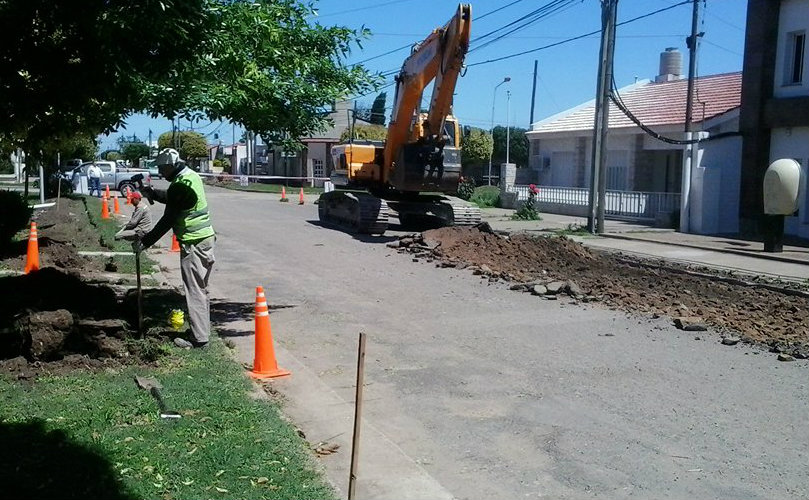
(193, 224)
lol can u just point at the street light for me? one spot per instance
(494, 96)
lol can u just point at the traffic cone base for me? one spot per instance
(32, 258)
(175, 245)
(105, 209)
(264, 363)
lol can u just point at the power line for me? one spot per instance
(497, 10)
(579, 37)
(524, 21)
(368, 7)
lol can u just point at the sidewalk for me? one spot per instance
(715, 251)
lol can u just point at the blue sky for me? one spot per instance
(566, 72)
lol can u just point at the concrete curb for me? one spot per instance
(708, 248)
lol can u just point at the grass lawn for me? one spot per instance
(96, 435)
(486, 196)
(267, 188)
(107, 229)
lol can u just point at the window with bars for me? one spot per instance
(317, 168)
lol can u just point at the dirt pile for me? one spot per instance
(60, 237)
(776, 318)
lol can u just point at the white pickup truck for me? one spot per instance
(113, 175)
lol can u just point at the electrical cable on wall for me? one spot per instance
(615, 97)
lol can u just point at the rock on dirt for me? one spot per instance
(690, 324)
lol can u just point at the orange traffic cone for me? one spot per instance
(128, 196)
(283, 194)
(115, 208)
(264, 364)
(175, 245)
(105, 209)
(32, 259)
(107, 191)
(300, 202)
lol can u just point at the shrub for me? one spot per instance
(466, 188)
(486, 196)
(16, 215)
(528, 210)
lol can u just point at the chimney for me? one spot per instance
(671, 65)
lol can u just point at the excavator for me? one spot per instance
(416, 170)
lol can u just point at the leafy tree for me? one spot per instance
(378, 109)
(268, 66)
(261, 63)
(476, 146)
(112, 155)
(192, 145)
(134, 150)
(518, 148)
(67, 69)
(369, 132)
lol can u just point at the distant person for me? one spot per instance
(94, 178)
(187, 214)
(139, 224)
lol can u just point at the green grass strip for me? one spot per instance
(265, 188)
(99, 436)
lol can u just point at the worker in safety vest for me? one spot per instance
(187, 214)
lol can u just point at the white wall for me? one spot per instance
(794, 16)
(715, 188)
(794, 143)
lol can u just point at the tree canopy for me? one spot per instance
(134, 150)
(191, 145)
(476, 146)
(518, 146)
(378, 109)
(369, 132)
(261, 63)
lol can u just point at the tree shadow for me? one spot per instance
(224, 312)
(47, 464)
(13, 249)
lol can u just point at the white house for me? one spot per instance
(775, 104)
(648, 168)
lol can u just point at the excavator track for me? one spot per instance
(463, 212)
(449, 210)
(354, 211)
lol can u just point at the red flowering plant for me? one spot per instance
(528, 210)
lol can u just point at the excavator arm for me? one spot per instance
(438, 58)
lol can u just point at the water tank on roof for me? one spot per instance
(671, 65)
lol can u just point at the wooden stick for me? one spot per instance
(355, 441)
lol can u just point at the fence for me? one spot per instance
(638, 205)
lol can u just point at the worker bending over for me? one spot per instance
(139, 224)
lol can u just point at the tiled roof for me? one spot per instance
(657, 104)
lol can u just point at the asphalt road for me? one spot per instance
(474, 391)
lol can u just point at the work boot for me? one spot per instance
(186, 344)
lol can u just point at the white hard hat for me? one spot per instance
(168, 156)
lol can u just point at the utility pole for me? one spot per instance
(533, 95)
(598, 181)
(508, 123)
(690, 149)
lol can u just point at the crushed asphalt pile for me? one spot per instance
(766, 314)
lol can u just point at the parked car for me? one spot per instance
(151, 166)
(114, 176)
